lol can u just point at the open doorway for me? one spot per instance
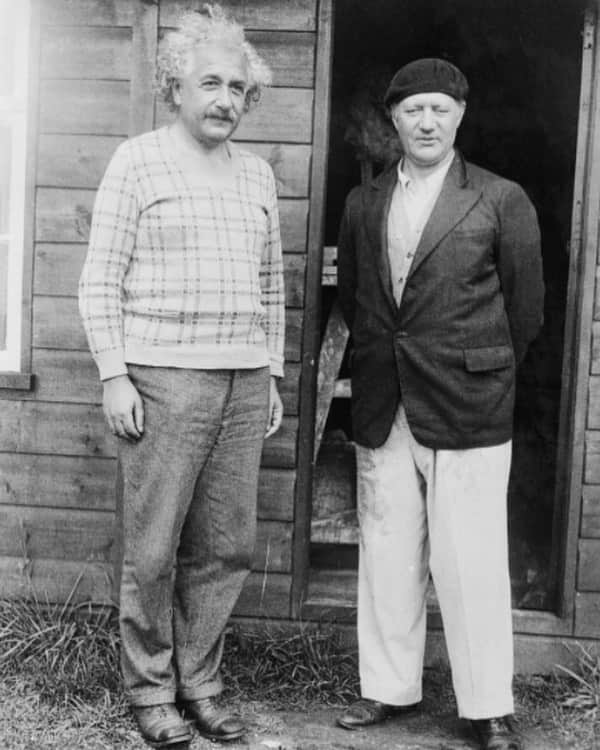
(523, 62)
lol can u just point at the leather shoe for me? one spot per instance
(365, 713)
(499, 733)
(212, 721)
(162, 726)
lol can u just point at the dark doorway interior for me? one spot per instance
(523, 61)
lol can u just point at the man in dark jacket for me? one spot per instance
(440, 282)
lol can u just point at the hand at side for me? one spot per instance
(275, 409)
(123, 408)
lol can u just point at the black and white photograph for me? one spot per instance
(300, 374)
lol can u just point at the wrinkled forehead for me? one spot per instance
(227, 62)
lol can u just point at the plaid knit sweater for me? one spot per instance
(180, 273)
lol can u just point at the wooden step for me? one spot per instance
(337, 528)
(329, 277)
(333, 594)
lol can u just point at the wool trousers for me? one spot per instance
(188, 525)
(438, 513)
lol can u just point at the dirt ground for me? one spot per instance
(287, 730)
(26, 724)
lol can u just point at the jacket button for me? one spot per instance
(402, 334)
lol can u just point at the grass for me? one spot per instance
(567, 702)
(292, 671)
(60, 686)
(67, 652)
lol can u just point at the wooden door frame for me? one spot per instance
(312, 306)
(578, 325)
(577, 342)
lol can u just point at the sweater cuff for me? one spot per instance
(276, 366)
(111, 363)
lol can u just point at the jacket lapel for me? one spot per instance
(377, 206)
(454, 201)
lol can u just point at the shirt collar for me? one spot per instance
(438, 174)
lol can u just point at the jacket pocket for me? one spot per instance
(486, 358)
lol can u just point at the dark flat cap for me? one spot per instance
(424, 76)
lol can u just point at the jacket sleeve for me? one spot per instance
(520, 268)
(346, 260)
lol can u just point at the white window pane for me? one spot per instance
(3, 291)
(5, 176)
(8, 18)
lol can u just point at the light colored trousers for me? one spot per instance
(442, 512)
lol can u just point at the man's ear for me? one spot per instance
(391, 114)
(252, 96)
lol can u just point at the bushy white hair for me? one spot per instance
(208, 26)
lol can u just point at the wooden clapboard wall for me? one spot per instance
(585, 516)
(57, 460)
(578, 526)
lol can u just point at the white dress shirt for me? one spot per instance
(412, 203)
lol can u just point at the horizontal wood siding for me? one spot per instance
(71, 376)
(57, 459)
(592, 457)
(586, 307)
(588, 578)
(587, 618)
(283, 114)
(289, 15)
(587, 615)
(590, 515)
(84, 483)
(79, 430)
(92, 52)
(594, 403)
(57, 481)
(56, 533)
(88, 535)
(84, 107)
(87, 13)
(587, 602)
(64, 215)
(59, 269)
(264, 595)
(52, 580)
(57, 325)
(291, 55)
(75, 161)
(98, 107)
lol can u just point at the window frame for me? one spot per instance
(20, 110)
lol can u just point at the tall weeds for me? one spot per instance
(66, 651)
(584, 691)
(310, 665)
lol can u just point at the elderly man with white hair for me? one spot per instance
(182, 300)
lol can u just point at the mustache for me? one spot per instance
(220, 116)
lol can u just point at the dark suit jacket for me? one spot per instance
(472, 303)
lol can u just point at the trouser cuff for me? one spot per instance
(391, 696)
(486, 709)
(204, 690)
(150, 697)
